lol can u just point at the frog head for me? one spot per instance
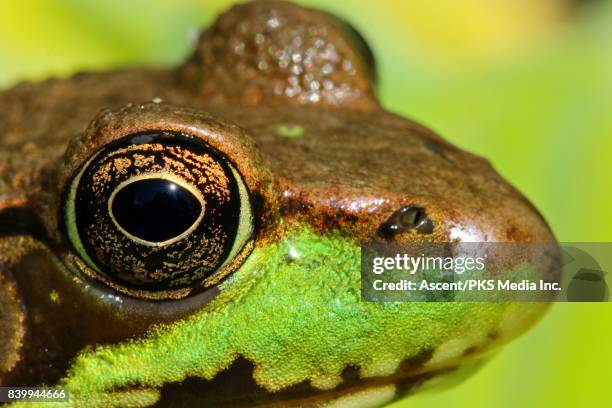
(192, 235)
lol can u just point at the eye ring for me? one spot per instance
(126, 264)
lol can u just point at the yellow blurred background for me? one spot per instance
(524, 83)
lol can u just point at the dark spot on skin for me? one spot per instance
(473, 188)
(417, 361)
(333, 216)
(513, 234)
(493, 335)
(337, 220)
(404, 220)
(470, 350)
(350, 374)
(437, 148)
(294, 204)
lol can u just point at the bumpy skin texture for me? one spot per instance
(285, 93)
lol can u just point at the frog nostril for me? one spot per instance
(409, 217)
(405, 219)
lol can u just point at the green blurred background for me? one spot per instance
(525, 83)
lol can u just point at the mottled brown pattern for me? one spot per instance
(353, 166)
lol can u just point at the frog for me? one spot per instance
(191, 236)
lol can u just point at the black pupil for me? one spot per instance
(155, 209)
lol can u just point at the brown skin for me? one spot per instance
(354, 166)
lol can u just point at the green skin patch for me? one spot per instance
(290, 131)
(293, 309)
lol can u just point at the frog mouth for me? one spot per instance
(236, 387)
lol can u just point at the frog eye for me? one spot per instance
(159, 215)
